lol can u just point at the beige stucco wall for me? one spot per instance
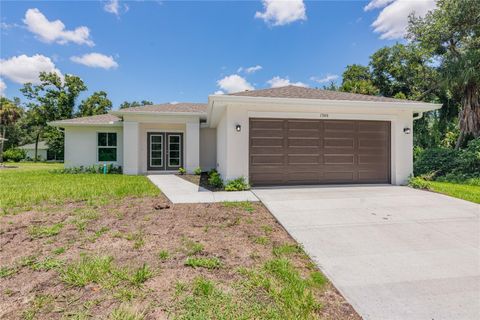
(81, 145)
(233, 146)
(208, 148)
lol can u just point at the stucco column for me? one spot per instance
(192, 145)
(130, 148)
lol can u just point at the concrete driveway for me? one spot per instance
(394, 252)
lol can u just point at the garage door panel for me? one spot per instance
(297, 151)
(304, 142)
(268, 159)
(338, 159)
(339, 142)
(303, 124)
(266, 124)
(339, 126)
(266, 142)
(303, 159)
(268, 133)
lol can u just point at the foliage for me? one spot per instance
(53, 99)
(97, 103)
(182, 171)
(357, 79)
(197, 171)
(132, 104)
(32, 184)
(450, 34)
(418, 183)
(238, 184)
(14, 155)
(444, 161)
(9, 114)
(110, 169)
(215, 180)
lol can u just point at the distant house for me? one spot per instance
(43, 152)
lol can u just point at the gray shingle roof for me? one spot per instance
(310, 93)
(183, 107)
(92, 120)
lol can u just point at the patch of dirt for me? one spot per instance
(133, 231)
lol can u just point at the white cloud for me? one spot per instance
(282, 12)
(234, 83)
(96, 60)
(22, 69)
(219, 92)
(250, 70)
(327, 78)
(174, 102)
(54, 31)
(114, 7)
(375, 4)
(277, 81)
(392, 20)
(3, 87)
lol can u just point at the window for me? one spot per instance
(107, 146)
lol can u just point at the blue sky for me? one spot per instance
(181, 51)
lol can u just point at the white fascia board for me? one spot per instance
(154, 113)
(64, 125)
(413, 106)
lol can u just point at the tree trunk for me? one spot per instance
(2, 141)
(469, 116)
(36, 146)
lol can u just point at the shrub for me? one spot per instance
(418, 183)
(215, 180)
(182, 171)
(238, 184)
(197, 171)
(442, 162)
(111, 169)
(14, 155)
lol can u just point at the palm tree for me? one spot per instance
(9, 114)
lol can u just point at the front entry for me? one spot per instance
(164, 150)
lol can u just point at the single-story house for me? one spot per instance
(30, 150)
(278, 136)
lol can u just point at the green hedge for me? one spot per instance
(441, 162)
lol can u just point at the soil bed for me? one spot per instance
(133, 256)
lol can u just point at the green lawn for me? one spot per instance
(33, 183)
(466, 191)
(457, 190)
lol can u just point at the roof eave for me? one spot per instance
(149, 113)
(60, 124)
(414, 106)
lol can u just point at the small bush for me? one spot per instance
(238, 184)
(197, 171)
(182, 171)
(418, 183)
(110, 169)
(215, 180)
(14, 155)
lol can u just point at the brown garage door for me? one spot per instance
(304, 151)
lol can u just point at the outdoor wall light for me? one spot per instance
(407, 130)
(238, 128)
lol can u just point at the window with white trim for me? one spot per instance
(107, 146)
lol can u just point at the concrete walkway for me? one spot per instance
(393, 252)
(179, 190)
